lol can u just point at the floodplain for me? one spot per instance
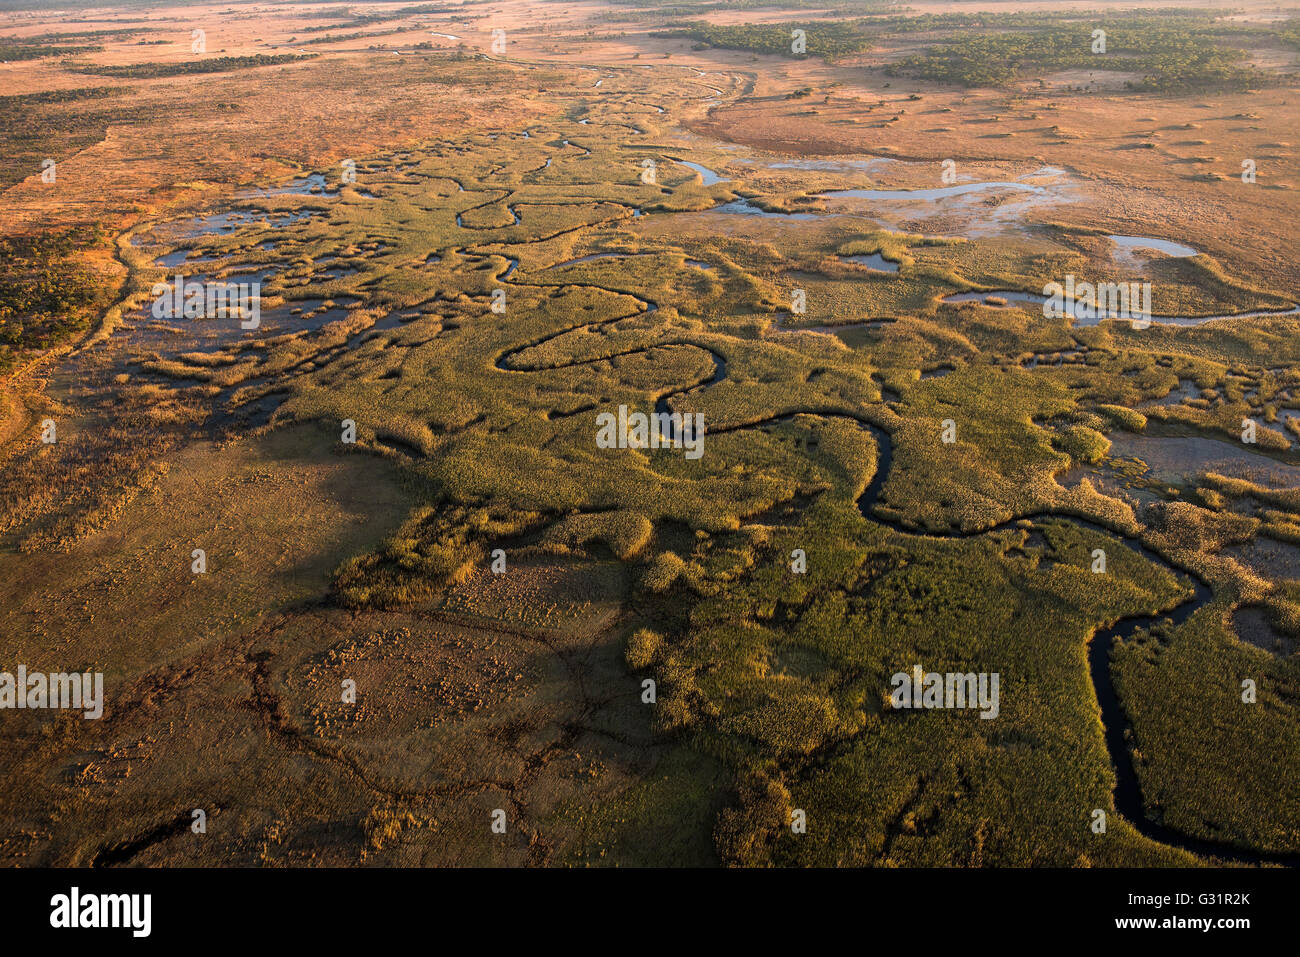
(836, 258)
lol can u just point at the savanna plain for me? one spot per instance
(367, 588)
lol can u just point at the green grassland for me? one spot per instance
(779, 678)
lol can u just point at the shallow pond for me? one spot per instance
(1011, 298)
(231, 220)
(708, 176)
(872, 261)
(1253, 627)
(1267, 558)
(1179, 459)
(927, 195)
(313, 183)
(1127, 247)
(743, 207)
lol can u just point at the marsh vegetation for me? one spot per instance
(472, 300)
